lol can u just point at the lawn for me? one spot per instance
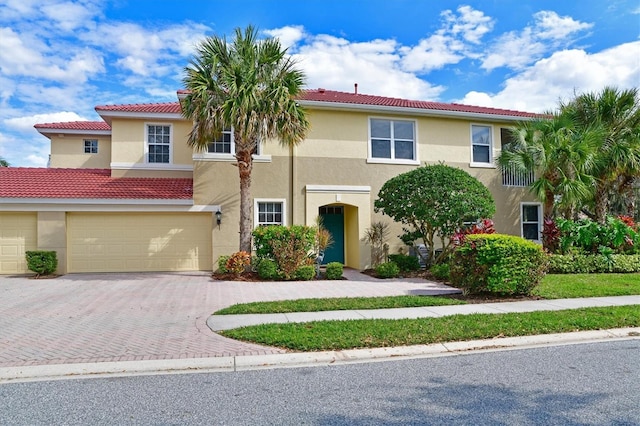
(552, 287)
(336, 335)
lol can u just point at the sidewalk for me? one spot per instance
(226, 322)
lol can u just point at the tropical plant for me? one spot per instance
(376, 237)
(249, 85)
(617, 161)
(434, 201)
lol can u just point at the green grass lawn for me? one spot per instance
(552, 287)
(336, 335)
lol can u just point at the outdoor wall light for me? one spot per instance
(218, 218)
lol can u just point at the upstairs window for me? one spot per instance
(392, 139)
(510, 175)
(481, 145)
(158, 143)
(223, 144)
(90, 146)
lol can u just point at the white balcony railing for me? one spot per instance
(513, 177)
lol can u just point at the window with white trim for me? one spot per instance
(269, 212)
(158, 143)
(392, 139)
(481, 144)
(531, 219)
(91, 146)
(223, 144)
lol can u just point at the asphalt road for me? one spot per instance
(585, 384)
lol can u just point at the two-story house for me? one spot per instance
(128, 194)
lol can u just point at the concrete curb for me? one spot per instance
(306, 359)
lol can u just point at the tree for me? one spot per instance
(3, 162)
(617, 161)
(560, 157)
(249, 85)
(434, 201)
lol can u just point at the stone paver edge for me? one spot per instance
(304, 359)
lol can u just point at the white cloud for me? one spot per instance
(289, 36)
(540, 87)
(471, 24)
(27, 122)
(430, 54)
(549, 32)
(69, 15)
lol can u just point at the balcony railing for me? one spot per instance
(513, 177)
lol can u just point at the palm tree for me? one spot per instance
(559, 157)
(250, 85)
(618, 148)
(3, 162)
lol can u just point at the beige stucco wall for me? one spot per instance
(67, 151)
(52, 235)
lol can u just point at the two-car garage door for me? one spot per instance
(131, 242)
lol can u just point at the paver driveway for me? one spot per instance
(123, 317)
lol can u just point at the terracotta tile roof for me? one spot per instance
(322, 95)
(24, 182)
(161, 108)
(75, 125)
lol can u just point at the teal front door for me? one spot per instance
(333, 221)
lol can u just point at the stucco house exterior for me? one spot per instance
(128, 194)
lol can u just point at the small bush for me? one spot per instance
(42, 262)
(289, 246)
(222, 264)
(441, 271)
(268, 269)
(334, 270)
(501, 264)
(238, 262)
(405, 263)
(387, 270)
(305, 273)
(593, 263)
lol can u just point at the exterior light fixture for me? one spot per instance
(218, 218)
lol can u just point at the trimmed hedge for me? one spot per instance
(404, 262)
(387, 270)
(593, 263)
(42, 262)
(268, 269)
(305, 273)
(495, 263)
(334, 270)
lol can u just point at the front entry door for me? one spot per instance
(333, 221)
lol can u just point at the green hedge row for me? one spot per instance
(593, 263)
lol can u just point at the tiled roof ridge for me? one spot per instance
(136, 105)
(84, 124)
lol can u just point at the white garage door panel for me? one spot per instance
(18, 233)
(130, 242)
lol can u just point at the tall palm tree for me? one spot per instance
(617, 163)
(3, 162)
(251, 85)
(559, 157)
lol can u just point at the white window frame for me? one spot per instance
(393, 160)
(231, 157)
(540, 220)
(257, 201)
(146, 142)
(91, 146)
(491, 163)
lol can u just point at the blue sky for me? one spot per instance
(61, 58)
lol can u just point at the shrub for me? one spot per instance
(334, 271)
(387, 270)
(268, 269)
(501, 264)
(42, 262)
(404, 262)
(589, 263)
(305, 273)
(441, 271)
(289, 246)
(238, 262)
(222, 264)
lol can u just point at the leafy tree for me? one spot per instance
(250, 85)
(617, 160)
(434, 201)
(3, 162)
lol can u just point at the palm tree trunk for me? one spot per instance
(626, 191)
(547, 206)
(602, 203)
(245, 165)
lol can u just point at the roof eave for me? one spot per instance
(108, 115)
(412, 111)
(53, 131)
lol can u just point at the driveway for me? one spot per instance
(141, 316)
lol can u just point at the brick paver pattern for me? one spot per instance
(124, 317)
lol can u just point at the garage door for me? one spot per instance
(131, 242)
(18, 233)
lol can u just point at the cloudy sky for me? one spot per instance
(59, 59)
